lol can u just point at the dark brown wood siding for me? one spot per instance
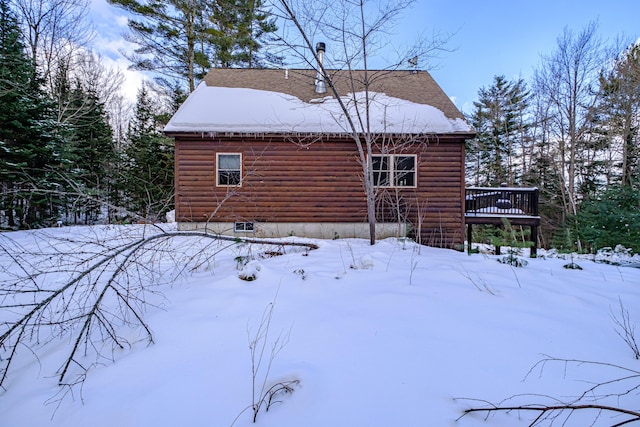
(321, 182)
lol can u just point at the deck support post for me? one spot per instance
(469, 238)
(534, 239)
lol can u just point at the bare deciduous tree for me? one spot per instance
(357, 29)
(619, 109)
(54, 30)
(567, 80)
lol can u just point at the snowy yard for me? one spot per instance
(388, 335)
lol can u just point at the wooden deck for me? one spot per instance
(489, 205)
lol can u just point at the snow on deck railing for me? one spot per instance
(505, 201)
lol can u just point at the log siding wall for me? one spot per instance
(320, 182)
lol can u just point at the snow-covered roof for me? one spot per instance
(245, 105)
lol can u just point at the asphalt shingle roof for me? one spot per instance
(418, 87)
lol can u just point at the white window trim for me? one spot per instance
(392, 172)
(243, 229)
(218, 170)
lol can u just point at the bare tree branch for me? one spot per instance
(84, 289)
(603, 397)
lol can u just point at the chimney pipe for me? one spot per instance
(321, 87)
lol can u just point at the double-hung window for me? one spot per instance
(228, 169)
(394, 170)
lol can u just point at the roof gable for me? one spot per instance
(285, 101)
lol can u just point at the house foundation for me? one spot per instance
(318, 230)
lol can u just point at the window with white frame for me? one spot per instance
(228, 169)
(394, 170)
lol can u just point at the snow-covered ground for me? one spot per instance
(388, 335)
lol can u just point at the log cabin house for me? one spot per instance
(268, 152)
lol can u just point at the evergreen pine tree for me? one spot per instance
(500, 121)
(238, 28)
(86, 150)
(148, 168)
(27, 132)
(180, 40)
(170, 35)
(612, 218)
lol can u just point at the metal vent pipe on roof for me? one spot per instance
(321, 87)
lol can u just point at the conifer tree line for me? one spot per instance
(573, 132)
(72, 148)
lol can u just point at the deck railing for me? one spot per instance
(501, 201)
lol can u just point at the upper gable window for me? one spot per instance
(228, 169)
(393, 170)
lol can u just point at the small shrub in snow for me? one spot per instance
(615, 256)
(250, 271)
(513, 259)
(300, 272)
(263, 353)
(572, 266)
(626, 329)
(242, 261)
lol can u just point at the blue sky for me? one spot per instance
(497, 37)
(492, 37)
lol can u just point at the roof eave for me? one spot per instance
(211, 134)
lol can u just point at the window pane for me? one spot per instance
(229, 161)
(405, 163)
(405, 171)
(228, 177)
(381, 179)
(405, 179)
(380, 165)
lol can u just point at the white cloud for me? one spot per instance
(111, 24)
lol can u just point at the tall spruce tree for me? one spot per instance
(26, 132)
(237, 29)
(499, 118)
(180, 40)
(93, 147)
(170, 38)
(86, 150)
(147, 177)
